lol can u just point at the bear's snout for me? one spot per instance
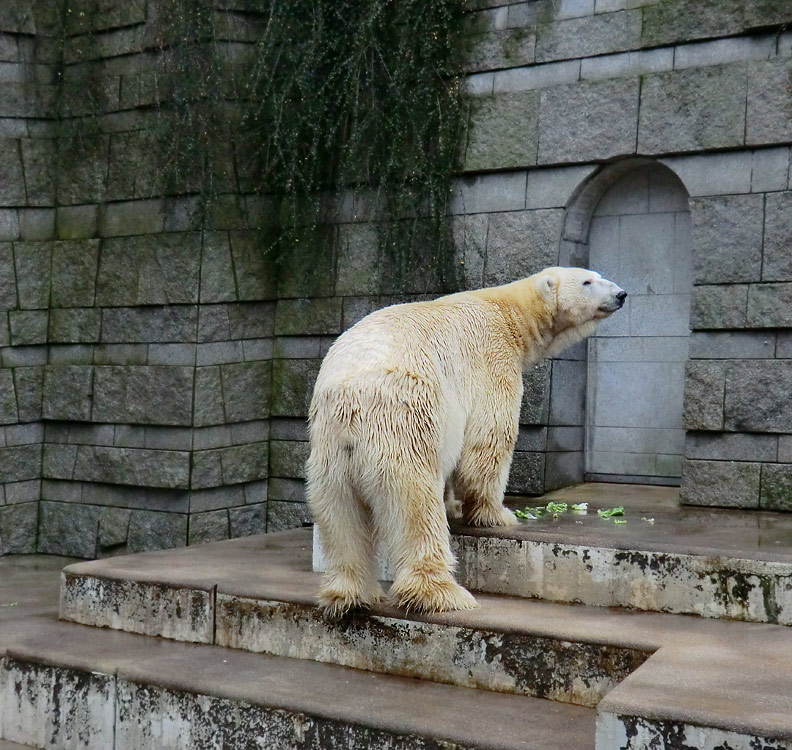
(613, 297)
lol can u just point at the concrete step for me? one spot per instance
(67, 686)
(715, 563)
(659, 557)
(258, 594)
(650, 675)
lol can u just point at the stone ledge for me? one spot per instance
(261, 612)
(658, 580)
(435, 649)
(616, 726)
(472, 657)
(282, 702)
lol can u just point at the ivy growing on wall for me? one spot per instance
(311, 103)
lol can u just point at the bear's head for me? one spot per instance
(579, 296)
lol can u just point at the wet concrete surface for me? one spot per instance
(29, 587)
(747, 534)
(729, 675)
(319, 699)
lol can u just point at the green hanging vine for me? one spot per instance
(324, 100)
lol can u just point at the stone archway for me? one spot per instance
(633, 223)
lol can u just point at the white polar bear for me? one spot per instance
(419, 403)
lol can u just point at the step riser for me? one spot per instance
(48, 707)
(714, 587)
(638, 733)
(103, 712)
(516, 663)
(200, 721)
(181, 614)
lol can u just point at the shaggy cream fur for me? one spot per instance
(418, 404)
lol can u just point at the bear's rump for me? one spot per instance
(393, 423)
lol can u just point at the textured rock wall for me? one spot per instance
(27, 218)
(155, 371)
(137, 342)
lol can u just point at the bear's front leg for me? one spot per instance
(482, 473)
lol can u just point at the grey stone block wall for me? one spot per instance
(136, 343)
(27, 94)
(155, 372)
(738, 378)
(676, 81)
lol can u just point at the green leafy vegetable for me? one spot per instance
(531, 513)
(540, 511)
(619, 520)
(607, 513)
(524, 514)
(580, 508)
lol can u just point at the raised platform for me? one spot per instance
(257, 660)
(659, 557)
(711, 562)
(257, 594)
(64, 685)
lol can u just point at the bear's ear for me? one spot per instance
(546, 284)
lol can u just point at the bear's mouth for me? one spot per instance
(616, 303)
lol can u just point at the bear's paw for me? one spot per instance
(431, 593)
(336, 602)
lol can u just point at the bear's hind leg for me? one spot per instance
(418, 540)
(345, 529)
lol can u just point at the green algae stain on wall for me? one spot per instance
(300, 102)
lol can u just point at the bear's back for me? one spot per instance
(428, 339)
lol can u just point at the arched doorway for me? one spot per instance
(639, 236)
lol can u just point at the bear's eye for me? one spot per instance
(586, 283)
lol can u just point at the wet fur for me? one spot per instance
(418, 404)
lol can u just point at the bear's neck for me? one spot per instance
(534, 328)
(570, 335)
(529, 319)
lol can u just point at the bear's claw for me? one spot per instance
(336, 604)
(433, 595)
(487, 518)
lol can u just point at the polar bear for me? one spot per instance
(418, 404)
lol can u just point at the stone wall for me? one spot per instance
(27, 219)
(704, 90)
(156, 372)
(137, 340)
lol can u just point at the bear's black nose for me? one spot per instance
(621, 296)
